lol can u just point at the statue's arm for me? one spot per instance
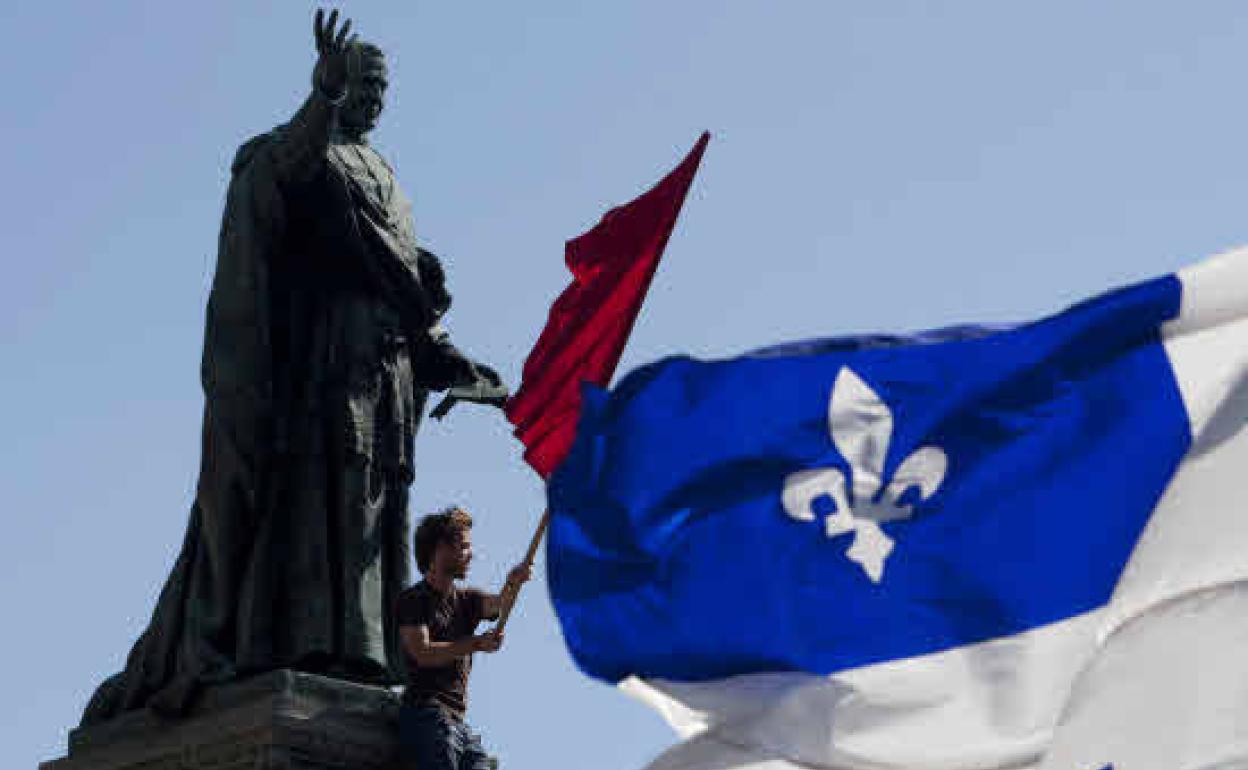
(440, 365)
(433, 280)
(304, 139)
(301, 142)
(443, 366)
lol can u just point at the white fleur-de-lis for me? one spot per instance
(862, 426)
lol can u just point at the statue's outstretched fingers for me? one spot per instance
(325, 30)
(341, 40)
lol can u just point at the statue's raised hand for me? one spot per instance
(332, 68)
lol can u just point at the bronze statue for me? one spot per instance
(322, 342)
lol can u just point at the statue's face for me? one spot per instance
(366, 95)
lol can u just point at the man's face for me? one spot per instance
(454, 554)
(366, 96)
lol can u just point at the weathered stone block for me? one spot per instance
(281, 720)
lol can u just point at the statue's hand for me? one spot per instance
(333, 67)
(488, 374)
(483, 387)
(491, 390)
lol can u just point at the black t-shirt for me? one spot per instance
(449, 617)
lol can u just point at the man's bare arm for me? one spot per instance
(493, 604)
(431, 654)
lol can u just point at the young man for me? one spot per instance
(437, 622)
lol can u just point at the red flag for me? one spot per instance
(611, 266)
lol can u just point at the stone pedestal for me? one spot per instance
(281, 720)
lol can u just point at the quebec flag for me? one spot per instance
(966, 549)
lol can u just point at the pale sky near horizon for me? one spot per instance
(873, 166)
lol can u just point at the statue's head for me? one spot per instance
(366, 89)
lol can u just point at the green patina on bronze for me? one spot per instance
(321, 345)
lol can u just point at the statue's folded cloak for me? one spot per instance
(320, 347)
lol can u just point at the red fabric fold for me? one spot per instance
(612, 266)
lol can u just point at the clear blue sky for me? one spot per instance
(875, 166)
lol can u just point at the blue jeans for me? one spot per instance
(431, 739)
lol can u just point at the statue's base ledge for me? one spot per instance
(283, 719)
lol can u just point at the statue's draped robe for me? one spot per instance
(321, 345)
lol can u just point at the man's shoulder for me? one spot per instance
(471, 601)
(414, 590)
(423, 590)
(413, 597)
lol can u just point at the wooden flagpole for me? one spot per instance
(511, 592)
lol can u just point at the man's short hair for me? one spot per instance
(438, 528)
